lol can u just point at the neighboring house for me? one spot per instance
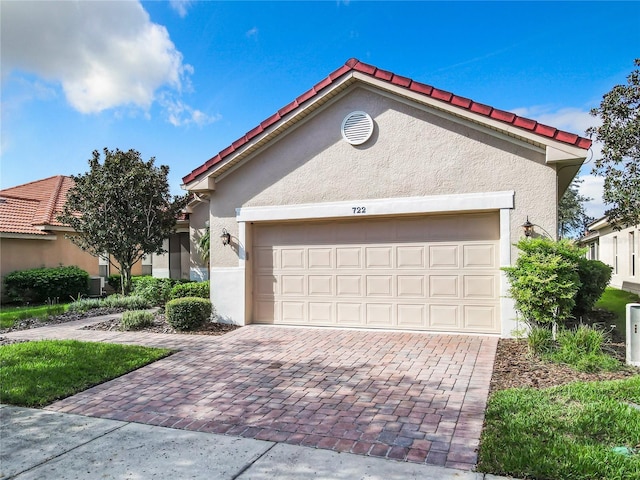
(619, 249)
(31, 236)
(375, 201)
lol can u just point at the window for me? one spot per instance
(147, 265)
(593, 251)
(103, 265)
(615, 255)
(632, 254)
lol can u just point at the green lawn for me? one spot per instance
(34, 374)
(9, 315)
(615, 301)
(566, 432)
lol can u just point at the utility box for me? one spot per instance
(633, 334)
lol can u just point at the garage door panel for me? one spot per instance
(480, 286)
(412, 316)
(379, 285)
(319, 258)
(349, 285)
(444, 317)
(478, 256)
(411, 286)
(349, 257)
(321, 313)
(293, 312)
(389, 273)
(292, 258)
(266, 285)
(292, 285)
(443, 256)
(378, 257)
(410, 257)
(443, 286)
(480, 317)
(379, 314)
(349, 313)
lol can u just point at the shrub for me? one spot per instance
(594, 278)
(84, 305)
(156, 290)
(191, 289)
(136, 319)
(544, 280)
(113, 301)
(188, 313)
(582, 348)
(40, 284)
(132, 302)
(540, 341)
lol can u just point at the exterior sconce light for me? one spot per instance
(226, 237)
(528, 228)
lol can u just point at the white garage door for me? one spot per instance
(437, 273)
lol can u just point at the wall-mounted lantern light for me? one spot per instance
(528, 228)
(226, 237)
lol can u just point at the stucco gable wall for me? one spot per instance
(411, 153)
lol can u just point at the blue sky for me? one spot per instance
(181, 80)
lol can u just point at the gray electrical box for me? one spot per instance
(633, 334)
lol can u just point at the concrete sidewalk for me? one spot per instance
(38, 444)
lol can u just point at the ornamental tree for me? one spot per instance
(122, 208)
(572, 216)
(620, 161)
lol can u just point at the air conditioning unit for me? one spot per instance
(96, 286)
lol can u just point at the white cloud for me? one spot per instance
(253, 33)
(104, 54)
(181, 6)
(180, 114)
(591, 187)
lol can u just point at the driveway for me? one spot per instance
(407, 396)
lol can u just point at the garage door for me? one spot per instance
(438, 273)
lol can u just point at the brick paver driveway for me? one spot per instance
(407, 396)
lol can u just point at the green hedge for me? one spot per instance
(156, 290)
(42, 284)
(594, 277)
(191, 289)
(136, 319)
(188, 313)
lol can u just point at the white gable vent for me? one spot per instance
(357, 128)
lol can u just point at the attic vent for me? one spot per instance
(357, 128)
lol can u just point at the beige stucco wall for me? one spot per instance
(628, 241)
(23, 254)
(412, 153)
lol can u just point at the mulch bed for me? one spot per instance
(513, 367)
(160, 325)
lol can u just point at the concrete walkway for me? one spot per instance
(397, 396)
(40, 444)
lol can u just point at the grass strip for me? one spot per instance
(615, 301)
(10, 315)
(566, 432)
(34, 374)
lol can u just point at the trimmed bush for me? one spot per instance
(133, 302)
(191, 289)
(188, 313)
(544, 280)
(136, 319)
(594, 278)
(40, 284)
(156, 290)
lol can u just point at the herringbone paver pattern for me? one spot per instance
(406, 396)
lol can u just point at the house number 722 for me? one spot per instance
(359, 210)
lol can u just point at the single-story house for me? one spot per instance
(32, 237)
(376, 201)
(617, 248)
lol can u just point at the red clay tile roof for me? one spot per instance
(354, 65)
(24, 207)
